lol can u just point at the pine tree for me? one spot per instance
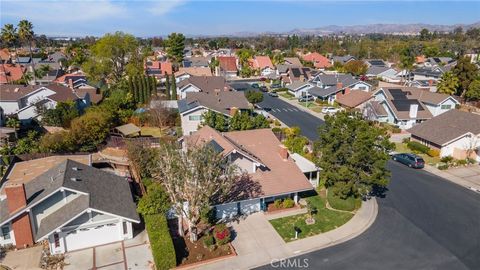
(143, 95)
(167, 86)
(174, 88)
(153, 85)
(130, 86)
(135, 88)
(148, 88)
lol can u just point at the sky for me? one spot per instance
(223, 17)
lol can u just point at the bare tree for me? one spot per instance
(192, 177)
(159, 114)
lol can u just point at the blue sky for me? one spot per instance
(198, 17)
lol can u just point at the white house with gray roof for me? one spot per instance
(72, 206)
(329, 86)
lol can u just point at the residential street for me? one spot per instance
(291, 116)
(424, 222)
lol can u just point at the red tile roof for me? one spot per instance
(10, 73)
(319, 61)
(261, 62)
(4, 54)
(228, 63)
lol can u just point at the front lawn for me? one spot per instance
(325, 220)
(151, 131)
(348, 204)
(287, 95)
(402, 148)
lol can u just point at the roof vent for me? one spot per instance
(75, 168)
(74, 179)
(16, 90)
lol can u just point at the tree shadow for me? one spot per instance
(379, 192)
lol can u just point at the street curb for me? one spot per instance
(451, 178)
(301, 107)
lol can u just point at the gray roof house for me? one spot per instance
(202, 84)
(343, 59)
(72, 206)
(329, 85)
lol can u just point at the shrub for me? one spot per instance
(446, 159)
(288, 203)
(208, 240)
(277, 203)
(280, 90)
(443, 167)
(221, 234)
(462, 162)
(160, 241)
(208, 215)
(406, 140)
(418, 147)
(277, 123)
(396, 130)
(433, 153)
(277, 130)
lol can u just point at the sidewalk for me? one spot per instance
(300, 107)
(257, 243)
(466, 177)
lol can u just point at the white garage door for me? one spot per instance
(94, 236)
(228, 210)
(249, 207)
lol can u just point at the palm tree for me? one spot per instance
(26, 34)
(448, 84)
(9, 35)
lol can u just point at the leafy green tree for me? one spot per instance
(91, 129)
(254, 97)
(167, 87)
(153, 85)
(473, 92)
(13, 122)
(9, 36)
(174, 88)
(246, 72)
(356, 67)
(61, 115)
(57, 142)
(244, 55)
(27, 144)
(26, 35)
(215, 120)
(466, 72)
(425, 34)
(448, 84)
(156, 201)
(175, 47)
(111, 55)
(352, 154)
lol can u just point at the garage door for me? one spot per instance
(249, 207)
(228, 210)
(94, 236)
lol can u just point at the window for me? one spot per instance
(125, 228)
(194, 117)
(56, 239)
(362, 88)
(446, 107)
(5, 233)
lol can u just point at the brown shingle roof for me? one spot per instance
(15, 92)
(62, 93)
(227, 63)
(220, 101)
(280, 177)
(447, 127)
(354, 98)
(206, 84)
(194, 71)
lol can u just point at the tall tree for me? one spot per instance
(9, 36)
(167, 87)
(153, 85)
(356, 67)
(26, 35)
(473, 92)
(448, 84)
(466, 72)
(174, 88)
(352, 154)
(175, 47)
(193, 178)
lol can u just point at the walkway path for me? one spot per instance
(257, 243)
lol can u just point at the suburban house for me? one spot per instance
(268, 170)
(10, 73)
(196, 61)
(429, 73)
(308, 168)
(294, 74)
(319, 61)
(158, 69)
(195, 104)
(343, 59)
(23, 100)
(454, 133)
(354, 100)
(329, 87)
(263, 64)
(299, 88)
(407, 106)
(202, 84)
(292, 61)
(71, 206)
(438, 61)
(187, 72)
(386, 74)
(227, 66)
(376, 63)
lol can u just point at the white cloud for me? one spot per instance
(59, 12)
(163, 7)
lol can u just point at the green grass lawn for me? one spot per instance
(348, 204)
(287, 95)
(325, 220)
(402, 148)
(152, 131)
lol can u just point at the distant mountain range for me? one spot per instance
(367, 29)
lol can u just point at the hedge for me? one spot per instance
(418, 147)
(161, 242)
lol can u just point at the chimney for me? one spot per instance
(283, 151)
(21, 226)
(339, 85)
(70, 83)
(430, 82)
(233, 111)
(413, 110)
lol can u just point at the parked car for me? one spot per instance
(411, 160)
(263, 89)
(255, 85)
(306, 98)
(273, 94)
(330, 110)
(275, 86)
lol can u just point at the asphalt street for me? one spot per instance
(424, 222)
(292, 116)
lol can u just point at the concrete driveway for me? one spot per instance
(23, 259)
(470, 174)
(125, 255)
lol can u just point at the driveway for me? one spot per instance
(23, 259)
(469, 174)
(125, 255)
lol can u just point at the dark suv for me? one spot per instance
(411, 160)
